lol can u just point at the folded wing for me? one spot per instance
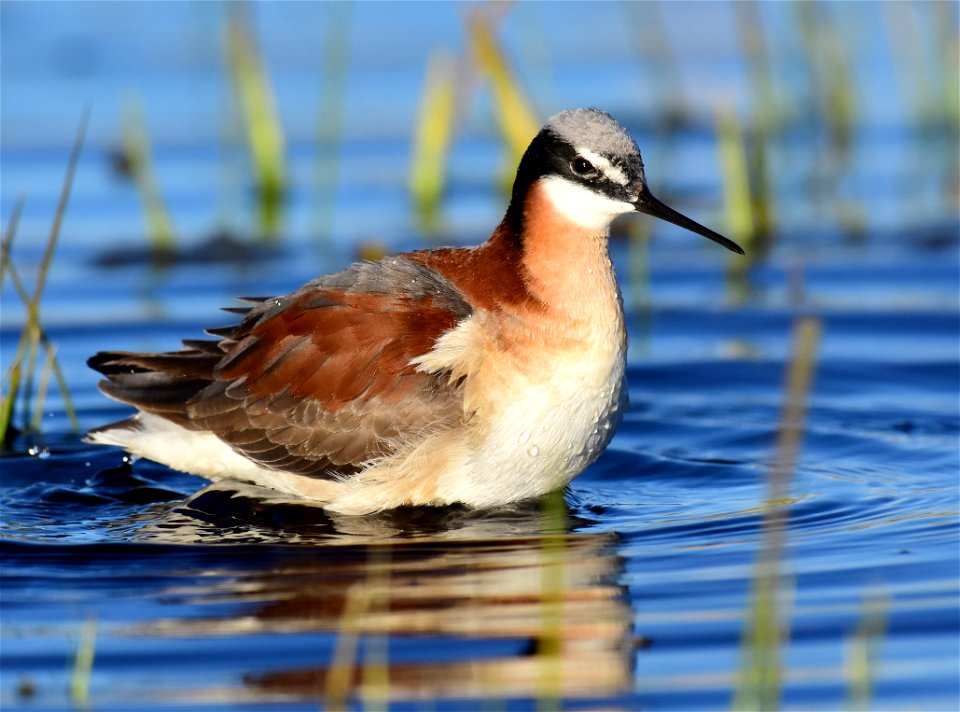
(318, 382)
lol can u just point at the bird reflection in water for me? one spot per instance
(463, 604)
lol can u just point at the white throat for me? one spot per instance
(583, 206)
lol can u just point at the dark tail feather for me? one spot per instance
(153, 392)
(224, 331)
(191, 363)
(205, 346)
(156, 383)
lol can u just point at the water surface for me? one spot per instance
(638, 587)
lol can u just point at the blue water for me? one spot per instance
(215, 599)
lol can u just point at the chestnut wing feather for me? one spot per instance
(318, 382)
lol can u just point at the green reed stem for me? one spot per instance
(550, 642)
(760, 681)
(41, 397)
(8, 236)
(32, 328)
(264, 131)
(864, 649)
(336, 56)
(375, 675)
(833, 81)
(83, 665)
(517, 121)
(48, 346)
(736, 178)
(431, 143)
(136, 145)
(662, 78)
(339, 682)
(32, 354)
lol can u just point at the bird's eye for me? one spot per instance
(582, 167)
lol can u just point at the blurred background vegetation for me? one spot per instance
(249, 117)
(231, 133)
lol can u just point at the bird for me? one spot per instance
(475, 376)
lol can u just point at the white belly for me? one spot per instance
(545, 427)
(551, 433)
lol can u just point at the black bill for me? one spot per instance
(647, 203)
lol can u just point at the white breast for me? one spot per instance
(545, 406)
(553, 427)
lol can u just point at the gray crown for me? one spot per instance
(593, 129)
